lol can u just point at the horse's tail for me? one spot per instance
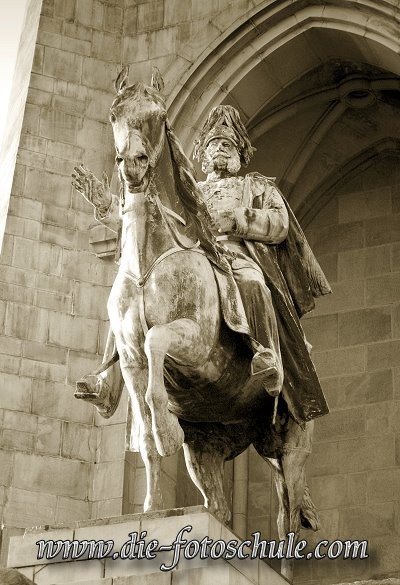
(308, 511)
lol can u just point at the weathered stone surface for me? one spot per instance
(341, 424)
(329, 264)
(368, 521)
(335, 362)
(38, 256)
(91, 300)
(322, 331)
(78, 441)
(16, 392)
(98, 73)
(79, 364)
(113, 18)
(137, 46)
(383, 290)
(383, 355)
(69, 331)
(51, 475)
(57, 401)
(150, 16)
(107, 480)
(106, 46)
(48, 441)
(69, 509)
(364, 326)
(28, 508)
(382, 230)
(14, 577)
(19, 421)
(112, 443)
(108, 508)
(365, 205)
(339, 237)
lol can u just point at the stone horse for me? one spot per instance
(187, 373)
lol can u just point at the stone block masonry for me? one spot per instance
(52, 290)
(353, 470)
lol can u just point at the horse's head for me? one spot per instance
(138, 117)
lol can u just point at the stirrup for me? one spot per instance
(264, 363)
(264, 366)
(94, 388)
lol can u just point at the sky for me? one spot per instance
(11, 21)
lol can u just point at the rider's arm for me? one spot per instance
(109, 214)
(269, 223)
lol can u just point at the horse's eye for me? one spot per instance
(118, 159)
(112, 118)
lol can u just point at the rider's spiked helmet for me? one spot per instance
(224, 122)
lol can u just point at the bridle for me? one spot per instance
(151, 194)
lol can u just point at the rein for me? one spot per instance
(140, 281)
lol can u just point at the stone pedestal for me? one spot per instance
(163, 526)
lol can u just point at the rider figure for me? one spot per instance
(277, 283)
(223, 148)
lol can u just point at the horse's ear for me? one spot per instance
(122, 79)
(156, 80)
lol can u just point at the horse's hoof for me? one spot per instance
(170, 440)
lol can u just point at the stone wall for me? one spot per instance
(355, 465)
(57, 463)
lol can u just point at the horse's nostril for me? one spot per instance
(141, 159)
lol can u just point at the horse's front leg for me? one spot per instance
(136, 377)
(182, 340)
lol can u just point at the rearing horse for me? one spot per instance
(187, 373)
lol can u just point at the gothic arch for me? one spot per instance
(263, 63)
(259, 35)
(317, 200)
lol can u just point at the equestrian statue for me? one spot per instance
(205, 309)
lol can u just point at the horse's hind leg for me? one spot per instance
(182, 340)
(295, 505)
(206, 469)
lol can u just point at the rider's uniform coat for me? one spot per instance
(267, 233)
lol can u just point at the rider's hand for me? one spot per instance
(224, 221)
(95, 191)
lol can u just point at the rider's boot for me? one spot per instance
(103, 387)
(266, 366)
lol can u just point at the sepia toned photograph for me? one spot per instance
(200, 292)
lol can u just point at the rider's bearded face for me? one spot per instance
(221, 155)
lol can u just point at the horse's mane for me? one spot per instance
(192, 200)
